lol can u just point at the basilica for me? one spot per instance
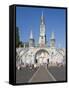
(40, 54)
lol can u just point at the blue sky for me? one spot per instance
(28, 18)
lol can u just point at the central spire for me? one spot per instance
(42, 18)
(42, 37)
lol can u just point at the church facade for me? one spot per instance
(41, 54)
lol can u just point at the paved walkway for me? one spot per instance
(23, 75)
(42, 75)
(58, 72)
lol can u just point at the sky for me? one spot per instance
(28, 19)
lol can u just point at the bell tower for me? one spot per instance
(42, 36)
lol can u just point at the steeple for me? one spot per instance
(31, 40)
(52, 40)
(42, 18)
(52, 35)
(42, 37)
(31, 35)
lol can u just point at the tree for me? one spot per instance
(17, 37)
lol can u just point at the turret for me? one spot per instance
(31, 40)
(52, 40)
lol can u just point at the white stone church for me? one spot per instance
(41, 54)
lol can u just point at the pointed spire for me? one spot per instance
(31, 35)
(42, 14)
(52, 40)
(42, 18)
(52, 35)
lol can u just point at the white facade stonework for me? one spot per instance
(40, 56)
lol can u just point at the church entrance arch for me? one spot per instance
(41, 57)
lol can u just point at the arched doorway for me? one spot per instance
(42, 57)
